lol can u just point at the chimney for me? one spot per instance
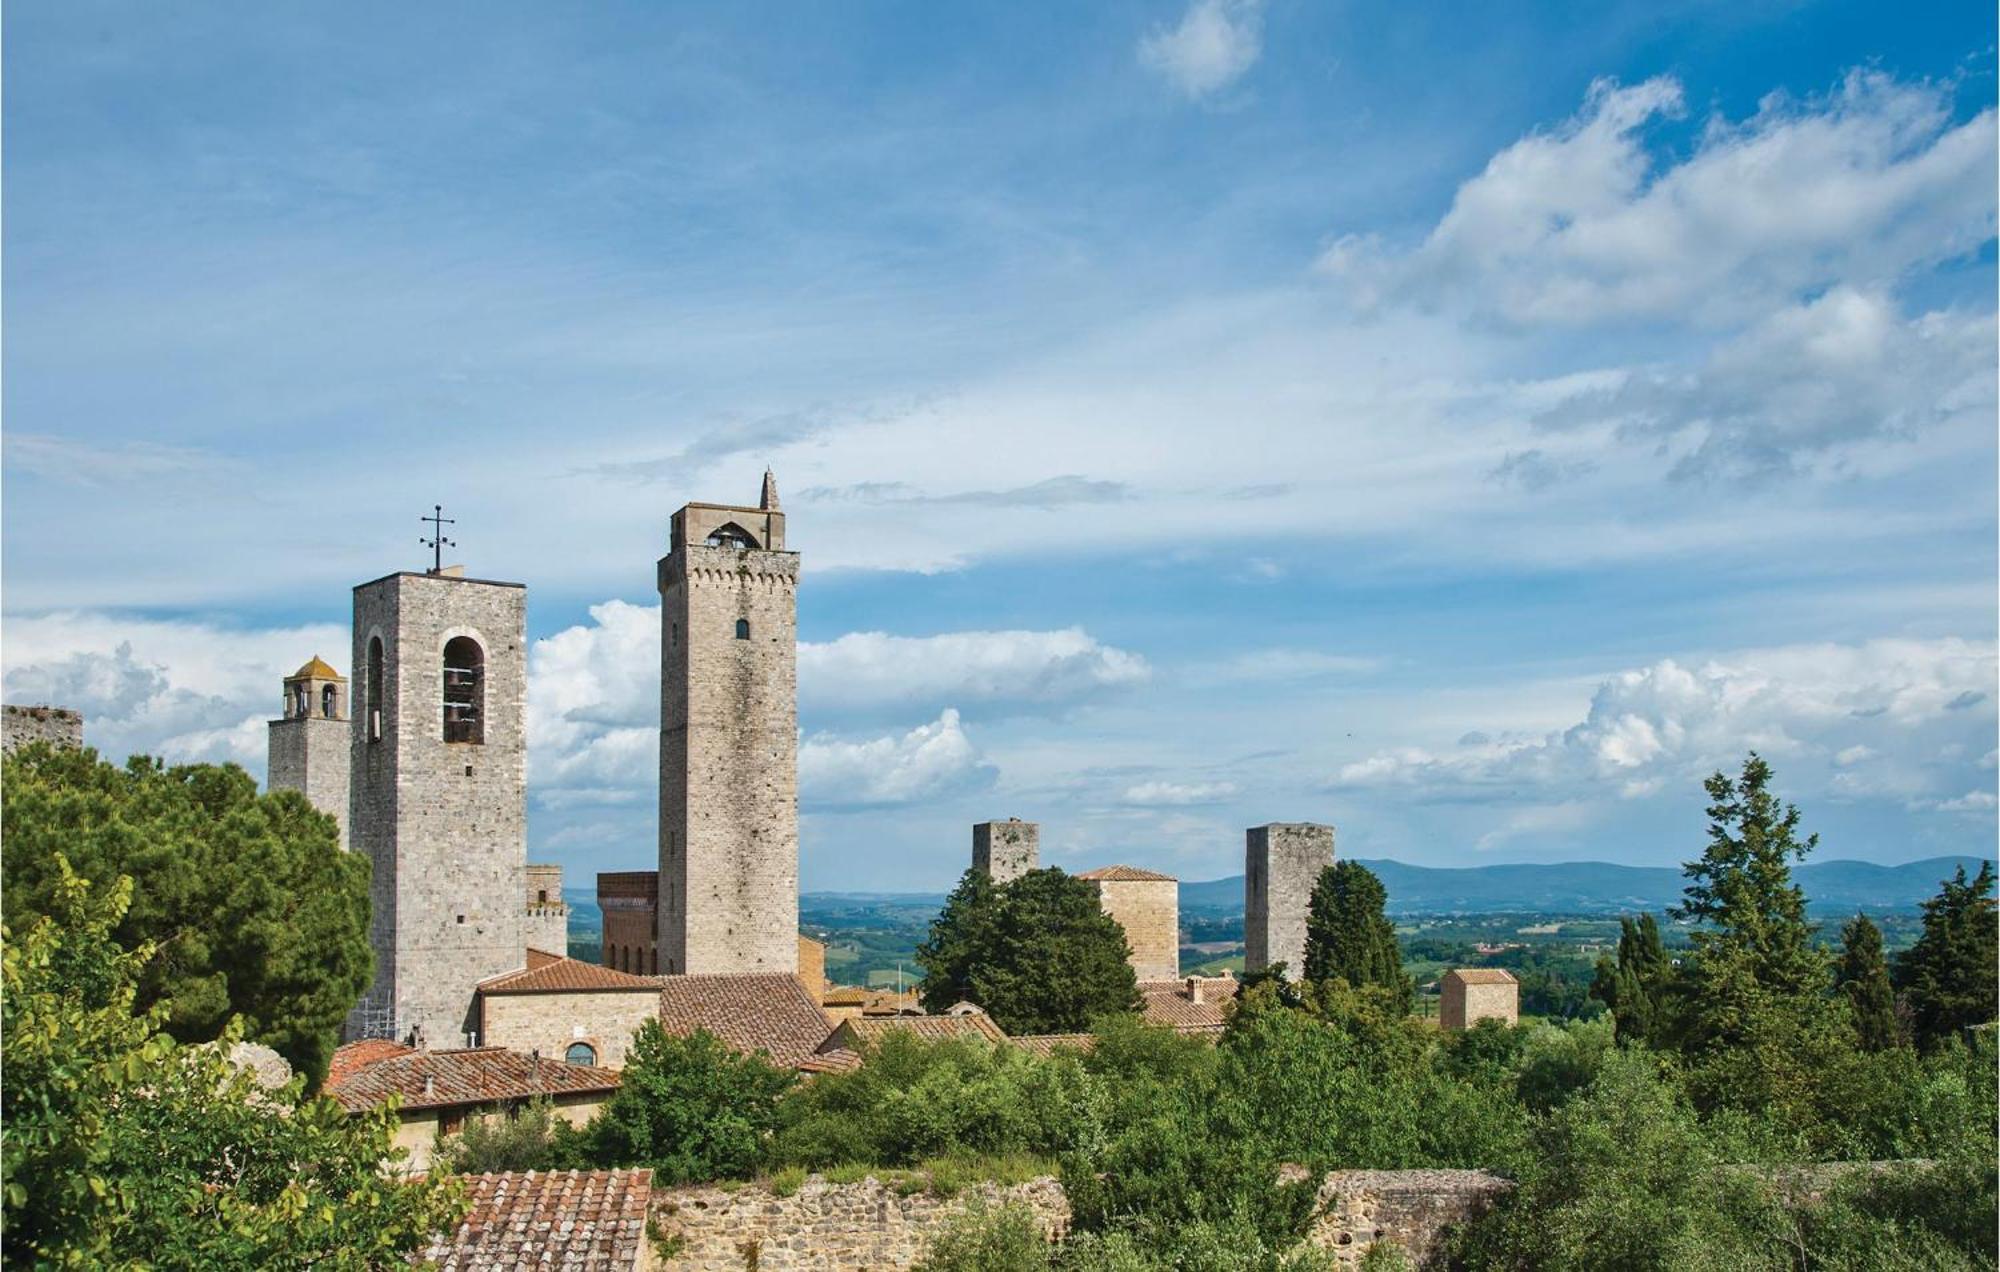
(430, 1085)
(1194, 989)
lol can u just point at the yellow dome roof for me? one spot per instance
(316, 670)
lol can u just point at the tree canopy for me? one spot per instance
(1864, 979)
(1038, 953)
(1638, 987)
(252, 907)
(689, 1107)
(1949, 975)
(1349, 938)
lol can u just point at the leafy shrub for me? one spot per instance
(689, 1107)
(1005, 1240)
(531, 1137)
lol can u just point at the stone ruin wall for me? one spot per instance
(873, 1224)
(57, 726)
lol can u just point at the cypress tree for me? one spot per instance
(1636, 986)
(1864, 979)
(1348, 937)
(1949, 975)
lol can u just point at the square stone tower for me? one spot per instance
(1281, 863)
(308, 749)
(1147, 905)
(1005, 850)
(438, 795)
(729, 799)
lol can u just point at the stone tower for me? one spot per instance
(729, 806)
(1005, 850)
(309, 746)
(438, 797)
(1281, 863)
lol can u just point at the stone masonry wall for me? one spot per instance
(1462, 1005)
(1281, 862)
(1149, 911)
(445, 823)
(1005, 850)
(57, 726)
(729, 831)
(872, 1224)
(549, 1023)
(310, 754)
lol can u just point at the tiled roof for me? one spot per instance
(552, 974)
(751, 1011)
(355, 1055)
(1168, 1003)
(1482, 975)
(481, 1075)
(1048, 1044)
(844, 996)
(838, 1060)
(575, 1221)
(317, 669)
(869, 1029)
(1125, 874)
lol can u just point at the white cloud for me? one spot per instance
(1006, 668)
(930, 761)
(1215, 42)
(1575, 225)
(1811, 709)
(1970, 802)
(1178, 794)
(1293, 664)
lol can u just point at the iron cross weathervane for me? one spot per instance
(437, 543)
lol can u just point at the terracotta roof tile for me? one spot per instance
(1049, 1044)
(871, 1029)
(481, 1075)
(554, 975)
(751, 1011)
(356, 1055)
(1482, 975)
(576, 1221)
(1125, 874)
(1168, 1003)
(838, 1060)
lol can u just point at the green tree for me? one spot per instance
(123, 1148)
(1038, 953)
(531, 1137)
(1864, 979)
(690, 1107)
(1349, 938)
(1755, 951)
(252, 907)
(1948, 976)
(1637, 987)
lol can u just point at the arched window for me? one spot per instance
(464, 690)
(731, 535)
(326, 701)
(743, 629)
(378, 690)
(581, 1053)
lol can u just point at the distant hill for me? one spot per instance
(1593, 887)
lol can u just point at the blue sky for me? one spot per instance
(1466, 425)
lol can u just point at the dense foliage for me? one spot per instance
(1349, 939)
(1038, 953)
(124, 1148)
(1864, 980)
(251, 907)
(1949, 975)
(689, 1107)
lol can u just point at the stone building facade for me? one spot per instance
(1281, 863)
(1005, 850)
(1148, 906)
(1468, 995)
(57, 726)
(630, 902)
(438, 795)
(545, 926)
(579, 1013)
(729, 828)
(310, 745)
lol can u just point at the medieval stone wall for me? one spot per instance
(630, 901)
(310, 754)
(445, 823)
(729, 832)
(57, 726)
(1463, 1004)
(549, 1023)
(1281, 862)
(1005, 850)
(1149, 911)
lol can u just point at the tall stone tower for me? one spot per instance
(1003, 851)
(1281, 863)
(309, 746)
(729, 802)
(438, 799)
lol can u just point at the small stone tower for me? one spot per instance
(1005, 850)
(439, 795)
(1281, 863)
(729, 806)
(309, 745)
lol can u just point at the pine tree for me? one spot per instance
(1636, 987)
(1349, 938)
(956, 936)
(1864, 979)
(1756, 949)
(1038, 953)
(1948, 976)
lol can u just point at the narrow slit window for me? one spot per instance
(378, 696)
(464, 690)
(743, 629)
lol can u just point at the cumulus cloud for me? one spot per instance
(1576, 224)
(1878, 712)
(1214, 43)
(928, 762)
(1178, 794)
(1036, 670)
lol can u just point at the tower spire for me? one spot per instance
(768, 501)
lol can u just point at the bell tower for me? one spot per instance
(308, 745)
(729, 806)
